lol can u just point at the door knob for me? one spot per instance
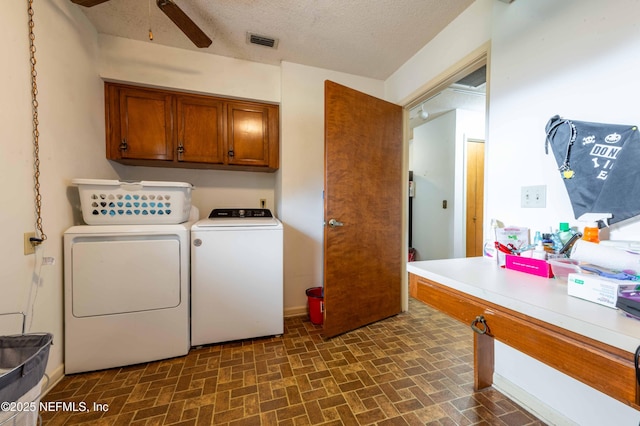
(333, 223)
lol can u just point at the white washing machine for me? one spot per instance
(236, 276)
(126, 295)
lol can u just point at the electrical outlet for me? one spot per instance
(263, 203)
(29, 247)
(534, 197)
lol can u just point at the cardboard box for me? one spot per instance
(594, 288)
(529, 265)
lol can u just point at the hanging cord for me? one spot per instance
(36, 132)
(149, 16)
(36, 281)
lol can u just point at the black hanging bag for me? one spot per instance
(600, 166)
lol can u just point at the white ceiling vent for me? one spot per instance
(262, 40)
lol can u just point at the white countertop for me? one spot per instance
(542, 298)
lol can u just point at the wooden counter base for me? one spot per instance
(605, 368)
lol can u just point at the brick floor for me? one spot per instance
(411, 369)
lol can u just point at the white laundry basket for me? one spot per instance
(114, 202)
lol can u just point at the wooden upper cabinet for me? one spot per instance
(200, 130)
(152, 127)
(249, 134)
(144, 125)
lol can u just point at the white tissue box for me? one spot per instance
(593, 288)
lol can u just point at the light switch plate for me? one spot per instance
(534, 197)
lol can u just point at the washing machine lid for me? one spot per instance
(239, 217)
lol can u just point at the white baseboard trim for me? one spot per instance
(530, 403)
(54, 378)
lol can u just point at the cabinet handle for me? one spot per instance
(483, 325)
(231, 153)
(123, 145)
(180, 149)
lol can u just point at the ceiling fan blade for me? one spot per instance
(182, 21)
(88, 3)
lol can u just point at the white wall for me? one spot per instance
(576, 58)
(151, 64)
(71, 145)
(460, 38)
(433, 165)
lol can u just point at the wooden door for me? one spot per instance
(200, 129)
(363, 190)
(248, 134)
(475, 197)
(146, 125)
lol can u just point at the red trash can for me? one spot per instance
(315, 297)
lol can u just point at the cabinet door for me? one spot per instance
(250, 137)
(200, 129)
(146, 125)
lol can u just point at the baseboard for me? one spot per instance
(530, 403)
(54, 378)
(297, 311)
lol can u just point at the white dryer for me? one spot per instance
(236, 276)
(126, 295)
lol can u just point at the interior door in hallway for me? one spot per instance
(363, 187)
(475, 197)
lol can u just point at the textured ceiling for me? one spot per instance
(370, 38)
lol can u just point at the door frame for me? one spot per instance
(465, 66)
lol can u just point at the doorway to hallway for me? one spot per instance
(448, 202)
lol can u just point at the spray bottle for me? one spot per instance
(593, 223)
